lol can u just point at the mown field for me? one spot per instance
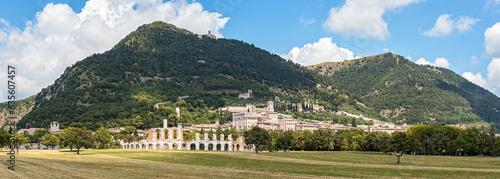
(213, 164)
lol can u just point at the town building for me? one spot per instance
(208, 127)
(54, 128)
(116, 129)
(287, 124)
(30, 131)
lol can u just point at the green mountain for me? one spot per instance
(406, 92)
(159, 63)
(23, 107)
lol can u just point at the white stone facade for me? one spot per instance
(172, 139)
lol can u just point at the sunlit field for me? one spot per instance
(214, 164)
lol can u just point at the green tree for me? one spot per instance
(20, 139)
(79, 137)
(102, 137)
(402, 143)
(257, 136)
(50, 140)
(4, 139)
(64, 140)
(298, 139)
(376, 141)
(496, 148)
(39, 133)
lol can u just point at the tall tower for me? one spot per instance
(165, 123)
(54, 126)
(178, 111)
(270, 106)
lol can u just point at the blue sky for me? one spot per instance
(43, 37)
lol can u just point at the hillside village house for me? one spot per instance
(208, 127)
(30, 131)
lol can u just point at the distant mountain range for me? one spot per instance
(158, 63)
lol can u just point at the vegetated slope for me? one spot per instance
(409, 93)
(159, 62)
(23, 107)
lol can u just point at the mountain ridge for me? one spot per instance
(394, 85)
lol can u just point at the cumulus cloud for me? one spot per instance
(492, 40)
(475, 78)
(363, 18)
(423, 61)
(322, 51)
(492, 46)
(58, 36)
(306, 21)
(445, 25)
(492, 79)
(439, 62)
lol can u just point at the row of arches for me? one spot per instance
(189, 146)
(166, 134)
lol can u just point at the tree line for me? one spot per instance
(72, 137)
(417, 140)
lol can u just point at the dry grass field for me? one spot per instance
(213, 164)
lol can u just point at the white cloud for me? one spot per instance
(445, 25)
(306, 21)
(464, 23)
(494, 72)
(322, 51)
(492, 40)
(423, 61)
(492, 80)
(475, 78)
(492, 46)
(59, 37)
(442, 62)
(363, 18)
(439, 62)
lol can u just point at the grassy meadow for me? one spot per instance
(215, 164)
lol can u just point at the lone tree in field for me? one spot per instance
(257, 136)
(402, 143)
(79, 138)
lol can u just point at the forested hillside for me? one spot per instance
(23, 107)
(409, 93)
(159, 63)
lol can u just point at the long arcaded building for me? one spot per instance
(173, 139)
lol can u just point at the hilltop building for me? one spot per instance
(246, 95)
